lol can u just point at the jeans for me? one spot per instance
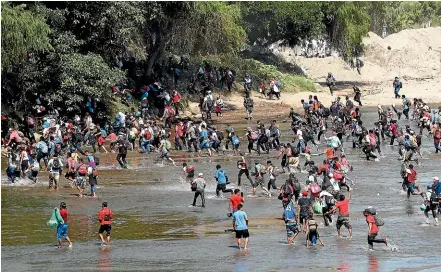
(437, 147)
(145, 145)
(272, 183)
(62, 231)
(302, 146)
(196, 195)
(10, 172)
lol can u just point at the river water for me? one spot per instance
(155, 230)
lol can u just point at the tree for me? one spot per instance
(24, 33)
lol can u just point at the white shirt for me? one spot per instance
(300, 134)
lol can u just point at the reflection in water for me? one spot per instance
(373, 263)
(241, 260)
(104, 262)
(342, 246)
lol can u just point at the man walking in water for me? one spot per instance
(240, 220)
(222, 179)
(105, 218)
(373, 229)
(200, 189)
(343, 214)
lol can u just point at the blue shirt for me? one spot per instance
(290, 212)
(239, 218)
(204, 135)
(221, 176)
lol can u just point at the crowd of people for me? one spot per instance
(62, 143)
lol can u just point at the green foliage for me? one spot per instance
(260, 72)
(23, 32)
(84, 76)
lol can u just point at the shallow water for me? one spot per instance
(155, 230)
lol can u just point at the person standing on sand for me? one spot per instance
(105, 217)
(248, 103)
(240, 223)
(343, 214)
(357, 97)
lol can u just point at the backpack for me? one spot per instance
(167, 144)
(209, 102)
(434, 200)
(296, 185)
(220, 135)
(315, 188)
(401, 84)
(278, 84)
(96, 160)
(56, 164)
(103, 133)
(287, 189)
(30, 121)
(235, 140)
(254, 136)
(147, 134)
(329, 200)
(295, 151)
(378, 221)
(82, 170)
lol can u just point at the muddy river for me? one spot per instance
(154, 229)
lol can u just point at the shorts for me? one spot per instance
(343, 220)
(242, 234)
(291, 229)
(93, 188)
(105, 228)
(303, 218)
(258, 181)
(411, 187)
(204, 146)
(62, 231)
(55, 176)
(236, 147)
(294, 161)
(80, 182)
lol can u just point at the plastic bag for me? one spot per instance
(318, 207)
(55, 218)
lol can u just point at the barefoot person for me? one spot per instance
(62, 226)
(105, 217)
(240, 220)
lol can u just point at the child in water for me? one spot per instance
(311, 233)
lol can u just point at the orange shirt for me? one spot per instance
(330, 153)
(105, 216)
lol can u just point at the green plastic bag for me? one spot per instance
(55, 218)
(318, 207)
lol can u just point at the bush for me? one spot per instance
(259, 72)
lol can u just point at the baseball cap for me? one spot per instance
(305, 193)
(435, 178)
(200, 174)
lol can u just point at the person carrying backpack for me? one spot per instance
(373, 222)
(80, 181)
(286, 193)
(54, 167)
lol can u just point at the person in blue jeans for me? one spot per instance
(62, 226)
(397, 87)
(240, 221)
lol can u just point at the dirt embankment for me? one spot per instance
(414, 56)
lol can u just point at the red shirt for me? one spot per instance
(63, 213)
(343, 207)
(112, 136)
(371, 219)
(243, 165)
(236, 200)
(324, 167)
(176, 98)
(393, 128)
(180, 130)
(411, 177)
(102, 213)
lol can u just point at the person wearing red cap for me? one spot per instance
(304, 205)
